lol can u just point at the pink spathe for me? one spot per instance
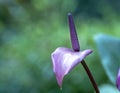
(118, 80)
(65, 59)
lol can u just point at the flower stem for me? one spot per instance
(90, 76)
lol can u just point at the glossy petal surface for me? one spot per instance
(64, 60)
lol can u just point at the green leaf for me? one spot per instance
(106, 88)
(109, 50)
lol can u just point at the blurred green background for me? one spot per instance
(30, 30)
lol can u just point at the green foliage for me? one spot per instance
(106, 88)
(109, 49)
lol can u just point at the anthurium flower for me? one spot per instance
(65, 59)
(118, 80)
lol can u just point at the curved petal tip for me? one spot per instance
(118, 80)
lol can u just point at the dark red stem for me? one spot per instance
(90, 76)
(76, 47)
